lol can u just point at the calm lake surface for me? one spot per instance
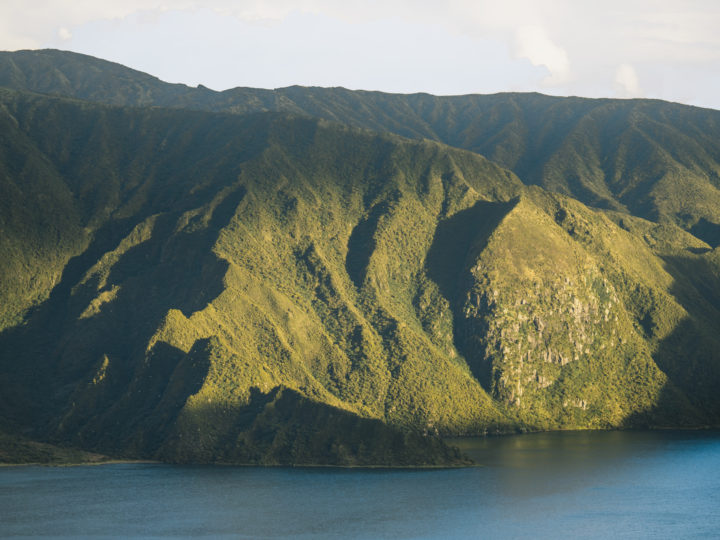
(549, 485)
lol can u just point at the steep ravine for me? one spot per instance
(281, 290)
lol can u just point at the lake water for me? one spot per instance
(549, 485)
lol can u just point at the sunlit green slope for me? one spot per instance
(277, 289)
(207, 255)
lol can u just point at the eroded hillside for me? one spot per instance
(263, 288)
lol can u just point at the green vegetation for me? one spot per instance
(656, 160)
(274, 288)
(283, 427)
(16, 450)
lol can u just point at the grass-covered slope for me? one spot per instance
(653, 159)
(569, 320)
(18, 450)
(207, 255)
(276, 289)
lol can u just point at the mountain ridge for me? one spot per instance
(87, 338)
(595, 150)
(59, 53)
(197, 286)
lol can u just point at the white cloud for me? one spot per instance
(391, 55)
(64, 34)
(533, 43)
(627, 82)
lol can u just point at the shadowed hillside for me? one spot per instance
(279, 289)
(653, 159)
(182, 283)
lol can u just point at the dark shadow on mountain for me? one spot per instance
(689, 398)
(56, 354)
(361, 243)
(283, 427)
(458, 241)
(448, 257)
(590, 195)
(698, 250)
(696, 287)
(141, 418)
(27, 360)
(707, 231)
(690, 354)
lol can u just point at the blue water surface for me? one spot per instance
(546, 485)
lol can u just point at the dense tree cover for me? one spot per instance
(195, 284)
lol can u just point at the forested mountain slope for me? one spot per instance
(275, 288)
(657, 160)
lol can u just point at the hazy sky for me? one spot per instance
(616, 48)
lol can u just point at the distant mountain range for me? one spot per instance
(325, 276)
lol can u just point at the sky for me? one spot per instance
(616, 48)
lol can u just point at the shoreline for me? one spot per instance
(245, 465)
(89, 463)
(99, 459)
(527, 431)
